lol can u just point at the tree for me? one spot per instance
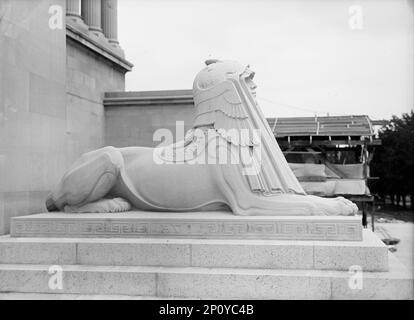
(393, 162)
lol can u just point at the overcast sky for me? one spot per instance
(339, 56)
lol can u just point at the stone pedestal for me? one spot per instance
(203, 255)
(199, 225)
(371, 254)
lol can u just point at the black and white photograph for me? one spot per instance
(225, 151)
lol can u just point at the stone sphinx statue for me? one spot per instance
(229, 159)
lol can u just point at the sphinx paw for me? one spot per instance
(101, 206)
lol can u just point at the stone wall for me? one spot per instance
(95, 64)
(131, 118)
(52, 84)
(88, 77)
(32, 106)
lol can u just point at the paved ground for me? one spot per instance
(405, 248)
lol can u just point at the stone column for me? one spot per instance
(110, 21)
(73, 10)
(91, 13)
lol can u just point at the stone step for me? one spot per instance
(370, 254)
(201, 225)
(209, 283)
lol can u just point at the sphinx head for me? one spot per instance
(218, 71)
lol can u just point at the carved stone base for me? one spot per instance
(196, 225)
(199, 268)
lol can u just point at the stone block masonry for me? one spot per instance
(52, 85)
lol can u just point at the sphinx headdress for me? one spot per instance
(225, 102)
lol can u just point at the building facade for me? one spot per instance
(57, 59)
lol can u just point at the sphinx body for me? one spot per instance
(229, 159)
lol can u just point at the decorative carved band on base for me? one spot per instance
(234, 228)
